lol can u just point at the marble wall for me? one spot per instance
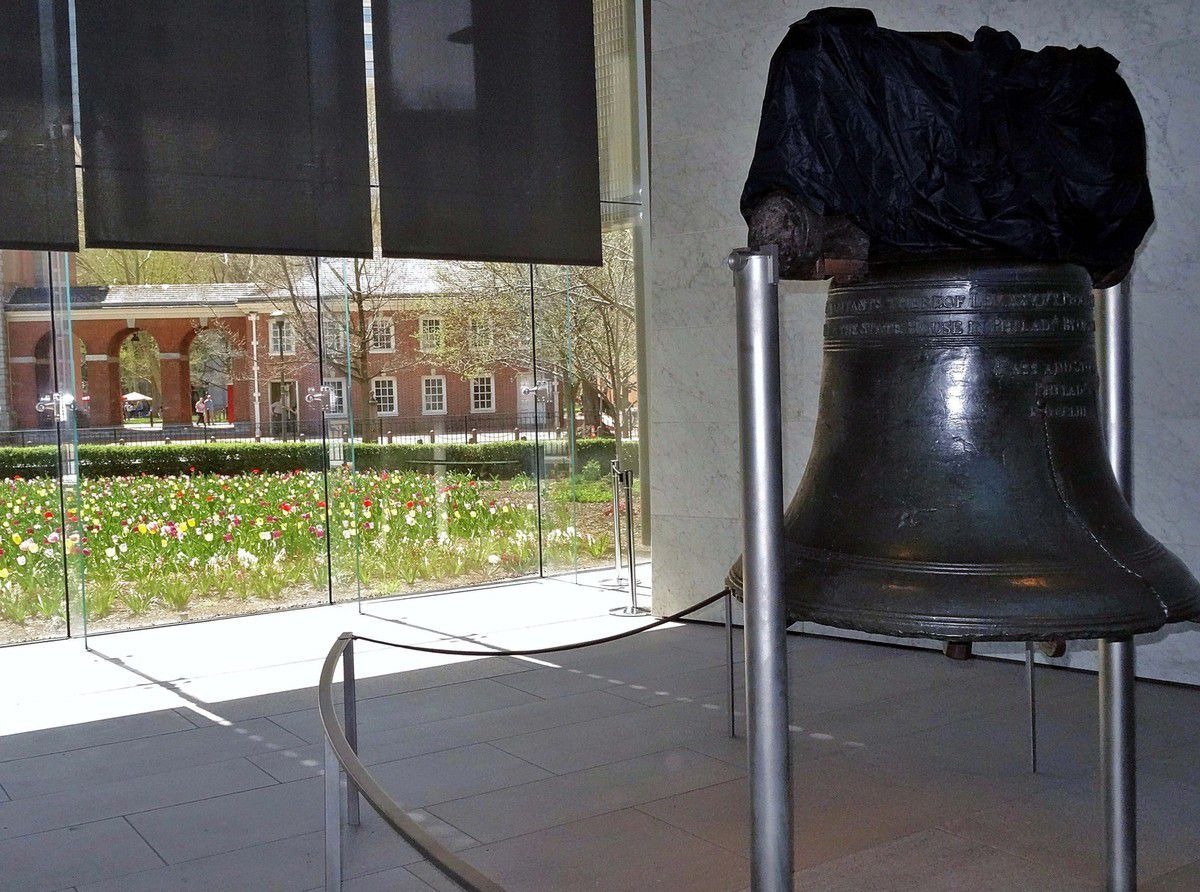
(708, 72)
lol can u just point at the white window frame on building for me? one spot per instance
(425, 382)
(480, 335)
(337, 395)
(382, 335)
(479, 385)
(431, 333)
(333, 336)
(395, 395)
(281, 337)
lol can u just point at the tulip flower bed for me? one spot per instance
(160, 548)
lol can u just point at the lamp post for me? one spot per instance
(254, 370)
(277, 319)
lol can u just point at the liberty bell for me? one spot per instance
(958, 486)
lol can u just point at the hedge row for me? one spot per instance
(501, 459)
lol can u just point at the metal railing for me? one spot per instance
(342, 801)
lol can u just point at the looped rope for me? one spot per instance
(674, 617)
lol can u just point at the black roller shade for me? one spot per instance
(37, 151)
(225, 125)
(487, 130)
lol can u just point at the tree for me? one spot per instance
(356, 294)
(114, 266)
(140, 371)
(585, 324)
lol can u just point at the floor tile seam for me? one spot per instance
(129, 824)
(21, 836)
(488, 737)
(605, 683)
(451, 749)
(1001, 850)
(271, 781)
(363, 732)
(184, 714)
(361, 700)
(741, 767)
(88, 784)
(874, 704)
(377, 873)
(75, 749)
(163, 736)
(276, 784)
(743, 852)
(318, 838)
(271, 720)
(582, 771)
(619, 759)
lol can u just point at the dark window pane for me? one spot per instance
(37, 155)
(225, 125)
(487, 130)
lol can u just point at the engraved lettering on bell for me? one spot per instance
(958, 486)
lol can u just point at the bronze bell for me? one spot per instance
(958, 486)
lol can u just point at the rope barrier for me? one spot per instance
(674, 617)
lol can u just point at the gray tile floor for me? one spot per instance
(608, 769)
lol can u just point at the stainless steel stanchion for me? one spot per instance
(632, 609)
(617, 581)
(350, 715)
(1031, 691)
(730, 693)
(756, 277)
(1117, 660)
(333, 820)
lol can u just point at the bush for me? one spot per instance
(499, 460)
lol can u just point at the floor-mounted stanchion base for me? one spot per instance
(628, 610)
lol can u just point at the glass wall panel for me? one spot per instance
(36, 414)
(202, 481)
(436, 486)
(587, 334)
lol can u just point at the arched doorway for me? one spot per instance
(140, 372)
(210, 370)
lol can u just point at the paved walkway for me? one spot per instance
(189, 758)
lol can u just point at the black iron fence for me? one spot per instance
(381, 429)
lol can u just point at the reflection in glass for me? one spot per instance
(37, 407)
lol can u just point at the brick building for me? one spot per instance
(259, 365)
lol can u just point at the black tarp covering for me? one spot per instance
(225, 125)
(486, 119)
(37, 153)
(938, 146)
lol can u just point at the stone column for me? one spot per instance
(176, 388)
(104, 389)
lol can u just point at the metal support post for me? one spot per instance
(1117, 755)
(1117, 660)
(730, 695)
(333, 820)
(1031, 690)
(756, 278)
(350, 716)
